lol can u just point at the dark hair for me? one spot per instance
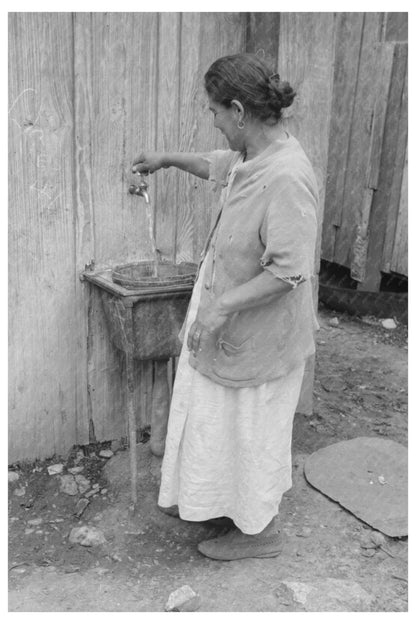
(246, 78)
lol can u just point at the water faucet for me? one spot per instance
(140, 189)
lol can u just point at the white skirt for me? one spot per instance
(228, 450)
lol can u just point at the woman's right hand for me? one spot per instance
(148, 162)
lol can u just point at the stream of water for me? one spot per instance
(150, 225)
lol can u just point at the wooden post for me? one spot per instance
(130, 400)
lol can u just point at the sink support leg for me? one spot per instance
(130, 404)
(160, 408)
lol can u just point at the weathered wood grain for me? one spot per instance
(348, 34)
(109, 74)
(140, 128)
(400, 250)
(379, 83)
(396, 185)
(378, 220)
(396, 28)
(43, 332)
(306, 53)
(263, 36)
(83, 209)
(359, 130)
(382, 80)
(169, 30)
(95, 217)
(188, 122)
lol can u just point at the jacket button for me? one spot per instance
(206, 285)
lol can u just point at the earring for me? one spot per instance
(240, 125)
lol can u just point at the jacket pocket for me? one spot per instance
(235, 360)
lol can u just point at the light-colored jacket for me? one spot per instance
(267, 220)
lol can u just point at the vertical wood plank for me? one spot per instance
(84, 204)
(169, 78)
(123, 73)
(107, 134)
(396, 27)
(104, 381)
(378, 220)
(44, 336)
(140, 128)
(380, 85)
(188, 120)
(263, 36)
(348, 35)
(400, 249)
(396, 185)
(359, 126)
(306, 56)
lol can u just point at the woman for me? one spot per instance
(251, 321)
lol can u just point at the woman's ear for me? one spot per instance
(238, 108)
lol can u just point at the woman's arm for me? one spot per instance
(258, 291)
(195, 163)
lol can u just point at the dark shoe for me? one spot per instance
(174, 512)
(222, 522)
(235, 545)
(170, 511)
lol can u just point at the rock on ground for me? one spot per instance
(55, 469)
(329, 594)
(183, 599)
(13, 476)
(87, 536)
(82, 483)
(388, 324)
(68, 485)
(106, 453)
(73, 485)
(76, 470)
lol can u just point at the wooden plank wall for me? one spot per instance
(367, 147)
(88, 92)
(46, 341)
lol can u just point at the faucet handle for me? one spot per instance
(142, 182)
(134, 190)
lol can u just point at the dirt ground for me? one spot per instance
(360, 390)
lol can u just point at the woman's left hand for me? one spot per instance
(208, 321)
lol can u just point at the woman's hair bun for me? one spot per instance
(281, 94)
(248, 79)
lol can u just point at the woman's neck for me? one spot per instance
(260, 136)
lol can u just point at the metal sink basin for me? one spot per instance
(145, 313)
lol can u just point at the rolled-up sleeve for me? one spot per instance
(220, 163)
(289, 232)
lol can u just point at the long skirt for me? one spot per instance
(228, 450)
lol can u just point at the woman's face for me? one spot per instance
(225, 119)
